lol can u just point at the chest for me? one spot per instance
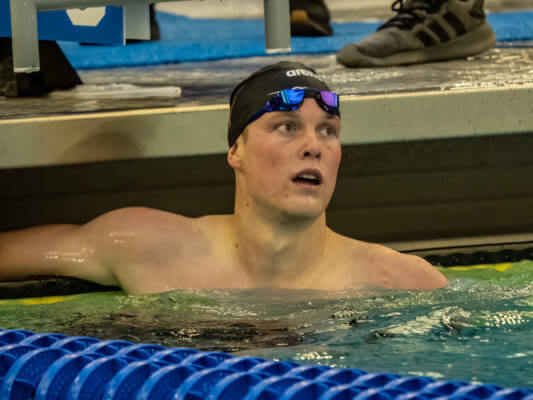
(203, 265)
(195, 272)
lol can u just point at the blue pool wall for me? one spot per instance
(50, 366)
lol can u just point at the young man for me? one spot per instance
(285, 150)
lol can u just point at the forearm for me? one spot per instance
(35, 251)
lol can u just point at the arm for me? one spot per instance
(67, 250)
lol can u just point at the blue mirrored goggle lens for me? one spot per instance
(292, 96)
(292, 99)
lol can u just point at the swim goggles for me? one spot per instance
(292, 99)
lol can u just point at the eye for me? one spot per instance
(328, 130)
(286, 127)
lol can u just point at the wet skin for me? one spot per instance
(279, 147)
(286, 171)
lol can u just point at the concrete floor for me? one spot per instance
(211, 82)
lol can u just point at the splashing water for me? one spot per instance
(478, 328)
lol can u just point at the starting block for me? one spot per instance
(100, 25)
(105, 25)
(93, 21)
(136, 19)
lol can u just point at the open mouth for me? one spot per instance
(312, 179)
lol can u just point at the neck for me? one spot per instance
(276, 250)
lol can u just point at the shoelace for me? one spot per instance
(407, 16)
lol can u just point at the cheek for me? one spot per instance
(270, 158)
(338, 154)
(335, 159)
(269, 165)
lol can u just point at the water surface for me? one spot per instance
(478, 328)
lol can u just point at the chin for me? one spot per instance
(304, 212)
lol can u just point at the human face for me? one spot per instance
(281, 150)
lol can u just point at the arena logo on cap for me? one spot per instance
(299, 72)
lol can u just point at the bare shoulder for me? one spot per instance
(138, 216)
(140, 231)
(404, 271)
(142, 247)
(386, 267)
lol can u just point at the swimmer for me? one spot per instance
(285, 151)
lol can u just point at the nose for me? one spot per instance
(311, 147)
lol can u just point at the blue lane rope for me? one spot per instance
(45, 366)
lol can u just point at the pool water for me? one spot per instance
(478, 328)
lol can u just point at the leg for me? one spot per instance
(154, 28)
(24, 34)
(137, 20)
(277, 26)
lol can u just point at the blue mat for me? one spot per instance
(187, 39)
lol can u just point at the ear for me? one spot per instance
(235, 156)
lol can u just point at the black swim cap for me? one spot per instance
(252, 94)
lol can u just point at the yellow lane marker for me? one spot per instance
(498, 267)
(31, 301)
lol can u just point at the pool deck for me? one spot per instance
(429, 150)
(169, 101)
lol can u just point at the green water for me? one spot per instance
(478, 328)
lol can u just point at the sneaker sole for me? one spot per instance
(302, 25)
(477, 41)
